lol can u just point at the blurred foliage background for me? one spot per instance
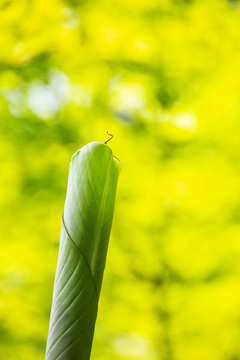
(163, 76)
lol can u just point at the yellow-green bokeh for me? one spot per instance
(164, 78)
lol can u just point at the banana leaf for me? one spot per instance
(85, 231)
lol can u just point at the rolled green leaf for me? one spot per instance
(86, 226)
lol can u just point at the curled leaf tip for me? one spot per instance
(85, 232)
(109, 138)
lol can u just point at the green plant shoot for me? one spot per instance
(86, 226)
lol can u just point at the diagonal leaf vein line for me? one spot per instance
(80, 254)
(66, 349)
(68, 328)
(65, 310)
(59, 294)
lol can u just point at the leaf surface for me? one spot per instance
(86, 226)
